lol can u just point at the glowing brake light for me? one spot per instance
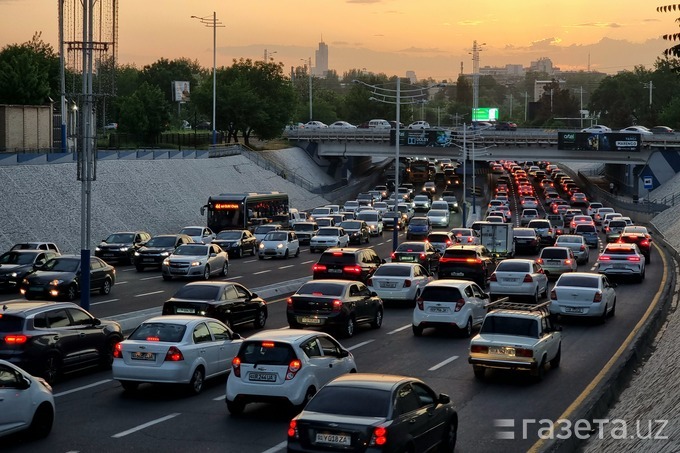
(16, 339)
(539, 260)
(293, 367)
(633, 258)
(379, 436)
(604, 258)
(174, 355)
(319, 268)
(420, 302)
(337, 305)
(292, 429)
(352, 269)
(118, 351)
(553, 295)
(267, 344)
(521, 352)
(236, 366)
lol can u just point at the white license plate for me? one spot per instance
(334, 271)
(502, 350)
(511, 279)
(262, 377)
(148, 260)
(438, 310)
(573, 310)
(553, 261)
(388, 285)
(619, 266)
(310, 320)
(457, 274)
(333, 439)
(143, 356)
(189, 311)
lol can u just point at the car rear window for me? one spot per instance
(198, 292)
(617, 223)
(392, 271)
(441, 294)
(351, 401)
(266, 353)
(336, 258)
(577, 280)
(524, 232)
(506, 325)
(411, 247)
(158, 331)
(585, 229)
(321, 288)
(514, 266)
(303, 227)
(541, 224)
(460, 253)
(10, 323)
(619, 251)
(438, 237)
(555, 253)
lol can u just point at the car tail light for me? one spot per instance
(293, 367)
(567, 261)
(597, 297)
(16, 339)
(479, 349)
(470, 239)
(553, 295)
(420, 302)
(292, 429)
(393, 255)
(369, 282)
(289, 303)
(583, 247)
(522, 352)
(407, 283)
(493, 277)
(379, 436)
(644, 242)
(604, 258)
(352, 269)
(448, 242)
(459, 305)
(174, 355)
(319, 268)
(337, 305)
(236, 366)
(633, 258)
(528, 278)
(118, 351)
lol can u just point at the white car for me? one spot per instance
(621, 259)
(577, 243)
(351, 206)
(440, 204)
(402, 282)
(341, 125)
(196, 260)
(583, 294)
(381, 207)
(374, 221)
(287, 365)
(637, 130)
(26, 402)
(529, 202)
(596, 129)
(323, 211)
(440, 240)
(466, 236)
(175, 349)
(439, 217)
(328, 237)
(199, 234)
(450, 302)
(518, 277)
(419, 125)
(421, 203)
(311, 125)
(279, 244)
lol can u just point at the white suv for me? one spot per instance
(289, 366)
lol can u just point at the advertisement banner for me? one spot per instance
(586, 141)
(181, 91)
(424, 137)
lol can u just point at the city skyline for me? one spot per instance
(379, 36)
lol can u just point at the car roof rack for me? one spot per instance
(504, 304)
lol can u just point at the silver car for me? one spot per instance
(438, 217)
(577, 243)
(403, 282)
(196, 260)
(329, 237)
(279, 244)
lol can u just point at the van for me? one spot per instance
(379, 124)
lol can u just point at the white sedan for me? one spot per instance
(637, 130)
(315, 125)
(279, 244)
(341, 125)
(328, 237)
(583, 294)
(175, 349)
(621, 259)
(518, 277)
(597, 129)
(439, 217)
(403, 282)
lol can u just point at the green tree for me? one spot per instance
(144, 113)
(163, 72)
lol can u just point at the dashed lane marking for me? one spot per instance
(145, 425)
(262, 272)
(149, 294)
(151, 278)
(359, 345)
(104, 302)
(399, 329)
(85, 387)
(441, 364)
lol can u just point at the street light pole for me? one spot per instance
(214, 23)
(311, 117)
(475, 106)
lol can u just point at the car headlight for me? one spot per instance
(97, 249)
(56, 282)
(372, 227)
(14, 274)
(279, 246)
(166, 262)
(136, 253)
(195, 263)
(24, 281)
(261, 246)
(165, 253)
(124, 249)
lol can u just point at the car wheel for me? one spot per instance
(235, 408)
(129, 386)
(71, 293)
(479, 371)
(555, 362)
(225, 269)
(239, 253)
(167, 277)
(260, 257)
(539, 373)
(417, 331)
(347, 330)
(466, 332)
(260, 319)
(41, 425)
(378, 320)
(206, 273)
(537, 297)
(106, 287)
(139, 268)
(448, 443)
(253, 251)
(197, 381)
(51, 368)
(286, 255)
(603, 318)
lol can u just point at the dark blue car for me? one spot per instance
(418, 227)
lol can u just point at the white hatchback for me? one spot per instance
(401, 282)
(279, 244)
(285, 365)
(518, 277)
(328, 237)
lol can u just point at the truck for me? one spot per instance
(498, 239)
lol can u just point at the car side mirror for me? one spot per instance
(236, 336)
(374, 294)
(343, 353)
(382, 261)
(96, 322)
(23, 383)
(213, 254)
(443, 398)
(253, 296)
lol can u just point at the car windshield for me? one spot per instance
(198, 292)
(264, 229)
(351, 401)
(120, 238)
(387, 270)
(328, 232)
(524, 232)
(303, 227)
(322, 289)
(229, 235)
(506, 325)
(276, 236)
(61, 265)
(195, 231)
(191, 250)
(578, 281)
(17, 258)
(437, 213)
(368, 216)
(162, 241)
(438, 237)
(158, 331)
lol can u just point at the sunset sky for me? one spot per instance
(430, 37)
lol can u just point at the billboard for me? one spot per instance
(181, 91)
(423, 137)
(485, 114)
(586, 141)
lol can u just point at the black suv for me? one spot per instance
(50, 338)
(121, 247)
(467, 262)
(347, 264)
(158, 248)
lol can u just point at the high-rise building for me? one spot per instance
(321, 58)
(411, 76)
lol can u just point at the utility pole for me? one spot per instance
(651, 86)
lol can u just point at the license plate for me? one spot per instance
(573, 310)
(619, 266)
(438, 310)
(457, 274)
(148, 260)
(189, 311)
(334, 271)
(262, 377)
(553, 261)
(143, 356)
(502, 350)
(310, 320)
(388, 285)
(408, 258)
(333, 439)
(511, 279)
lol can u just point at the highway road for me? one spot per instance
(94, 414)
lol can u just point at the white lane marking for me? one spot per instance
(249, 261)
(149, 294)
(277, 447)
(126, 270)
(122, 283)
(308, 262)
(145, 425)
(151, 278)
(360, 345)
(231, 278)
(399, 329)
(441, 364)
(85, 387)
(286, 267)
(220, 398)
(262, 272)
(104, 302)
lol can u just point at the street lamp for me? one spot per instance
(214, 23)
(396, 97)
(475, 106)
(310, 85)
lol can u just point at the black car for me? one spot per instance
(357, 230)
(157, 249)
(48, 339)
(16, 264)
(467, 262)
(419, 252)
(376, 412)
(347, 264)
(526, 240)
(335, 304)
(639, 235)
(59, 278)
(237, 242)
(121, 247)
(389, 220)
(229, 302)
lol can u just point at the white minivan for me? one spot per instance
(379, 124)
(374, 221)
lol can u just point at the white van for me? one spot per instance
(379, 124)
